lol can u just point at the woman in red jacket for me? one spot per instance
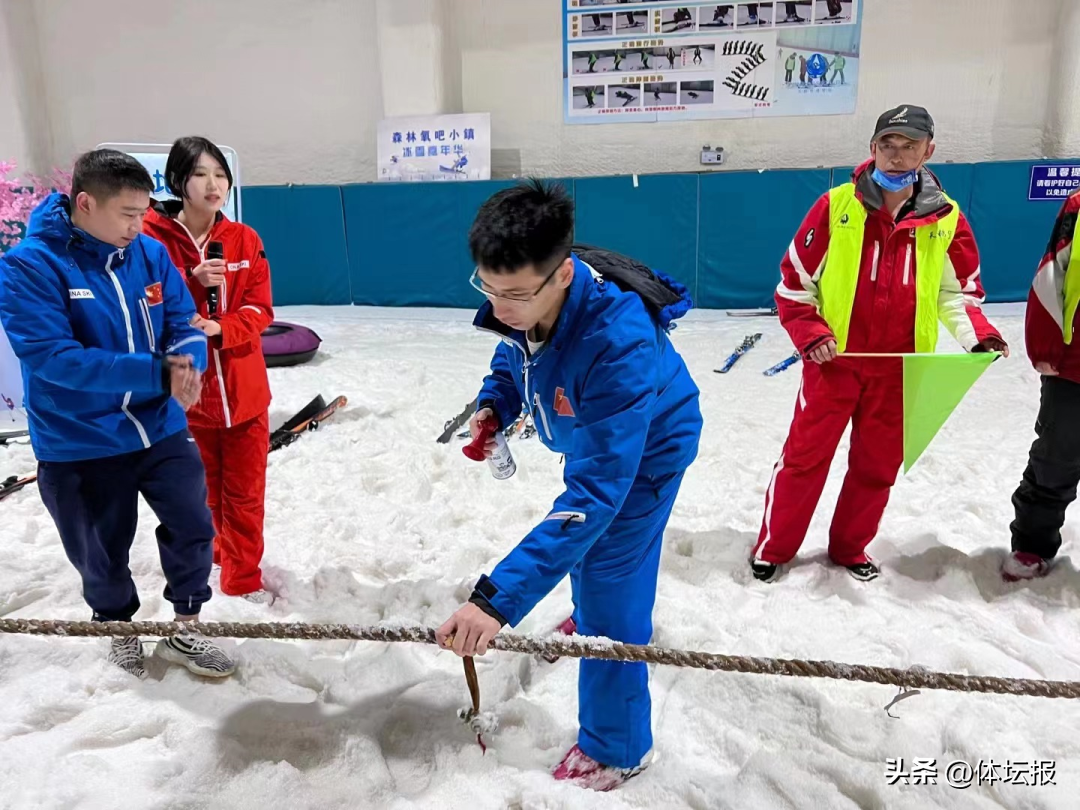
(230, 422)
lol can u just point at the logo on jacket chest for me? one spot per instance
(562, 404)
(154, 294)
(74, 294)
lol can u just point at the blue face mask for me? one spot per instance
(895, 183)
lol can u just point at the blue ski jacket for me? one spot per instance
(610, 392)
(90, 324)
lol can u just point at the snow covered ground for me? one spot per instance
(369, 520)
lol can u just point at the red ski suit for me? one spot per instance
(230, 422)
(1046, 301)
(867, 392)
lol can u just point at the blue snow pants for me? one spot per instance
(95, 505)
(614, 588)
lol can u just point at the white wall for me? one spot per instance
(297, 86)
(24, 131)
(292, 86)
(981, 67)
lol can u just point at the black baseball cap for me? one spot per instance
(907, 120)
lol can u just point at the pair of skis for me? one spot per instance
(309, 418)
(9, 486)
(748, 343)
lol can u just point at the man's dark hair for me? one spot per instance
(183, 157)
(531, 223)
(104, 173)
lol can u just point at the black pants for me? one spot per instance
(95, 506)
(1053, 471)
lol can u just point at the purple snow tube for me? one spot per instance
(288, 344)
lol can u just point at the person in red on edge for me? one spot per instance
(1053, 470)
(230, 422)
(873, 268)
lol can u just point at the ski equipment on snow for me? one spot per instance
(455, 424)
(9, 486)
(748, 343)
(9, 435)
(752, 313)
(783, 365)
(309, 418)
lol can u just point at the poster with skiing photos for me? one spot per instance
(654, 60)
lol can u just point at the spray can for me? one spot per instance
(501, 460)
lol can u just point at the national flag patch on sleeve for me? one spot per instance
(154, 295)
(562, 404)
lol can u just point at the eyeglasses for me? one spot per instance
(517, 298)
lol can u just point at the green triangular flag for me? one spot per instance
(934, 384)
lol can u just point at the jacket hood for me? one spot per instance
(51, 220)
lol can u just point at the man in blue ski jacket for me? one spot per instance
(99, 318)
(585, 349)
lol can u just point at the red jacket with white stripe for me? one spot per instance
(883, 313)
(1046, 301)
(235, 386)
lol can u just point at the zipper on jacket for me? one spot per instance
(147, 322)
(221, 385)
(222, 307)
(131, 342)
(537, 407)
(907, 264)
(543, 415)
(877, 255)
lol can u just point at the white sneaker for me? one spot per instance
(126, 653)
(259, 597)
(197, 654)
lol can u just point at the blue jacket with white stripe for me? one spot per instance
(610, 392)
(91, 324)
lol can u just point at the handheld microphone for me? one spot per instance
(214, 250)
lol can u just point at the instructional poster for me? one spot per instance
(654, 60)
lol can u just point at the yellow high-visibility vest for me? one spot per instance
(847, 224)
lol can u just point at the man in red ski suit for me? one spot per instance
(874, 266)
(1053, 470)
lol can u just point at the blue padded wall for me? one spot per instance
(656, 222)
(303, 232)
(722, 234)
(747, 222)
(408, 242)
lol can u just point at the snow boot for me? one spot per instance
(586, 772)
(1024, 565)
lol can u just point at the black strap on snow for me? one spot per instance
(629, 275)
